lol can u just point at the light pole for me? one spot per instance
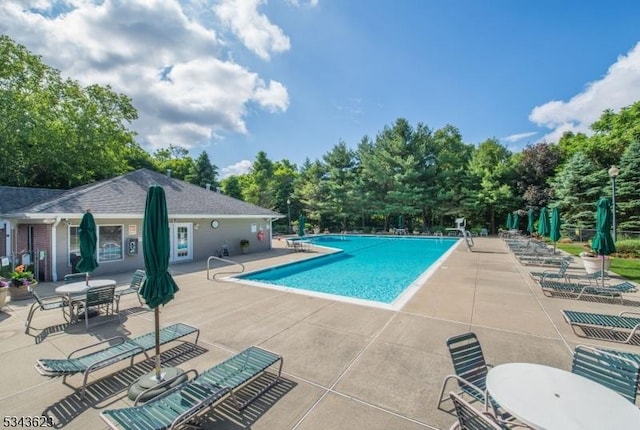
(289, 216)
(613, 173)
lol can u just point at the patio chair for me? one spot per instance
(97, 299)
(133, 288)
(44, 304)
(118, 348)
(581, 290)
(469, 366)
(613, 371)
(186, 401)
(75, 277)
(622, 324)
(470, 418)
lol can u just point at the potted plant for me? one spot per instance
(19, 283)
(244, 246)
(592, 261)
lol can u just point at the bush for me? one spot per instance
(629, 248)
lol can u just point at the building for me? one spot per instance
(41, 226)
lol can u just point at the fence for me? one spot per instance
(581, 234)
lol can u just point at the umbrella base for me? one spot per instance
(146, 383)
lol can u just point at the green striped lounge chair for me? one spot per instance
(89, 359)
(183, 403)
(626, 323)
(581, 290)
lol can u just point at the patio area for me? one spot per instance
(345, 366)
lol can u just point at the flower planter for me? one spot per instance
(20, 292)
(594, 264)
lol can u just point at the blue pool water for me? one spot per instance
(374, 268)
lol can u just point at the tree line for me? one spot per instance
(56, 133)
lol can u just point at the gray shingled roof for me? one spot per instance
(14, 198)
(125, 195)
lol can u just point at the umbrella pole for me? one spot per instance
(156, 313)
(602, 273)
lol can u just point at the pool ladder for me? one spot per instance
(224, 260)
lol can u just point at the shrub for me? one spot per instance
(628, 248)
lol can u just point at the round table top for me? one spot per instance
(82, 287)
(549, 398)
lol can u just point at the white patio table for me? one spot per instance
(79, 288)
(548, 398)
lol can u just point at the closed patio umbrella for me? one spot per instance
(158, 287)
(509, 221)
(543, 223)
(516, 221)
(530, 227)
(88, 244)
(301, 222)
(602, 242)
(554, 234)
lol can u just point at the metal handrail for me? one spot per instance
(224, 260)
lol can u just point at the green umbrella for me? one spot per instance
(158, 287)
(88, 244)
(509, 221)
(516, 221)
(543, 223)
(554, 233)
(530, 227)
(602, 242)
(301, 222)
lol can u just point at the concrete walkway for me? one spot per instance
(345, 366)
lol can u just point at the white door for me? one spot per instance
(181, 241)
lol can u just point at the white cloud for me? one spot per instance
(238, 168)
(519, 136)
(165, 56)
(254, 29)
(620, 87)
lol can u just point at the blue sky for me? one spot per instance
(295, 77)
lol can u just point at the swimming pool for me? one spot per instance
(374, 269)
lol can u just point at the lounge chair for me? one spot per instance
(118, 349)
(623, 323)
(613, 371)
(186, 401)
(582, 290)
(44, 304)
(470, 418)
(133, 288)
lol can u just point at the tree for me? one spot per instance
(338, 184)
(577, 187)
(490, 166)
(627, 192)
(534, 165)
(174, 160)
(259, 190)
(55, 133)
(203, 172)
(231, 187)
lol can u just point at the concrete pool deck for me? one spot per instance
(345, 365)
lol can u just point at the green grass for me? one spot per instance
(626, 267)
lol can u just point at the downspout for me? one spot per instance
(54, 251)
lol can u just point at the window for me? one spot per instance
(110, 239)
(74, 246)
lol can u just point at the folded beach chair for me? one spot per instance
(622, 326)
(183, 403)
(118, 349)
(581, 290)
